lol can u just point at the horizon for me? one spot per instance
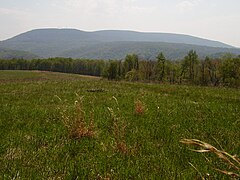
(216, 20)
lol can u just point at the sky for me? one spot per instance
(211, 19)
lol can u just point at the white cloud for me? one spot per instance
(187, 5)
(107, 7)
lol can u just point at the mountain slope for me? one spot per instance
(112, 44)
(14, 54)
(146, 50)
(116, 35)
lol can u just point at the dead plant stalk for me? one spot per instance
(231, 160)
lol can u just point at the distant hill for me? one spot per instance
(11, 54)
(111, 44)
(146, 50)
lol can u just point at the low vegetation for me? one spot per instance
(67, 126)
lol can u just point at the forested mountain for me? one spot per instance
(145, 50)
(11, 54)
(112, 44)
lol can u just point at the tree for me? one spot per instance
(204, 76)
(211, 67)
(160, 66)
(146, 69)
(120, 70)
(189, 65)
(128, 63)
(131, 62)
(135, 61)
(230, 71)
(112, 70)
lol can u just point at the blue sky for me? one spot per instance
(211, 19)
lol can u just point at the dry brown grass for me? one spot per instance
(232, 161)
(13, 154)
(77, 124)
(119, 131)
(119, 126)
(140, 107)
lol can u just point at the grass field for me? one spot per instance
(136, 133)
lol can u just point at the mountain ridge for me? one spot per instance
(127, 35)
(111, 44)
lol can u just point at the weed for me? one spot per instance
(140, 107)
(77, 124)
(119, 130)
(232, 161)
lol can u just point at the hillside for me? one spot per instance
(11, 54)
(111, 44)
(146, 50)
(116, 35)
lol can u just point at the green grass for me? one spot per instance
(35, 144)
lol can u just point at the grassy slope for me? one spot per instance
(34, 143)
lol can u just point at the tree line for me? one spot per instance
(65, 65)
(224, 71)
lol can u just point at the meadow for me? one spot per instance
(67, 126)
